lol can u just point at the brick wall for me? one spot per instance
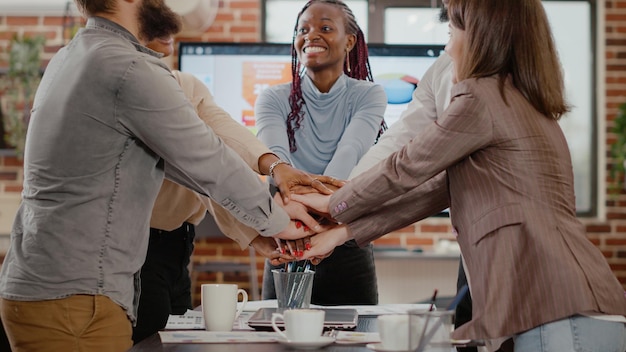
(238, 21)
(610, 235)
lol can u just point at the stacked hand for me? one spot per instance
(321, 243)
(290, 180)
(296, 238)
(312, 234)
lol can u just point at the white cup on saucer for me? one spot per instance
(301, 325)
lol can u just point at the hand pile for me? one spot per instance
(312, 233)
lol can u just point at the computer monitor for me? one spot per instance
(236, 73)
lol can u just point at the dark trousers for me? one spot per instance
(165, 281)
(347, 277)
(463, 312)
(4, 340)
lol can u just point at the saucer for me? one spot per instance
(308, 345)
(378, 347)
(460, 342)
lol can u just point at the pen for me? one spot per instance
(457, 299)
(430, 309)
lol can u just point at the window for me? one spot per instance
(414, 25)
(572, 27)
(416, 22)
(280, 18)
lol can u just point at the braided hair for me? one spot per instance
(355, 66)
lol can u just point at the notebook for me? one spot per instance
(335, 318)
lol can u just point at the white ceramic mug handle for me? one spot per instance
(243, 302)
(275, 327)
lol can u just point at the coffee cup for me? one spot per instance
(301, 325)
(394, 332)
(219, 305)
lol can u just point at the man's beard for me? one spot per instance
(157, 20)
(443, 15)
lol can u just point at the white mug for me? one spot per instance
(219, 306)
(301, 325)
(394, 332)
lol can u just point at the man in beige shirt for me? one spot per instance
(165, 281)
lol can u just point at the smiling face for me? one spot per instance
(321, 40)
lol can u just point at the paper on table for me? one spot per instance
(355, 337)
(241, 323)
(193, 320)
(385, 308)
(197, 336)
(253, 306)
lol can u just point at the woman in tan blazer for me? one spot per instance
(499, 159)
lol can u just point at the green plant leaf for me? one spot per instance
(19, 87)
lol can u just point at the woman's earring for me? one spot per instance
(348, 59)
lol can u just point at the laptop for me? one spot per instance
(335, 318)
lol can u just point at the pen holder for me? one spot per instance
(430, 330)
(293, 289)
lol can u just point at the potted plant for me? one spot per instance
(18, 88)
(618, 150)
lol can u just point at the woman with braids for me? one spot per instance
(323, 122)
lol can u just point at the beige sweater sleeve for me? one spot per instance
(237, 137)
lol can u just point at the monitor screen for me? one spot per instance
(236, 73)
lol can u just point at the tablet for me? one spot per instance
(335, 318)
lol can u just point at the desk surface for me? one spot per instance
(153, 344)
